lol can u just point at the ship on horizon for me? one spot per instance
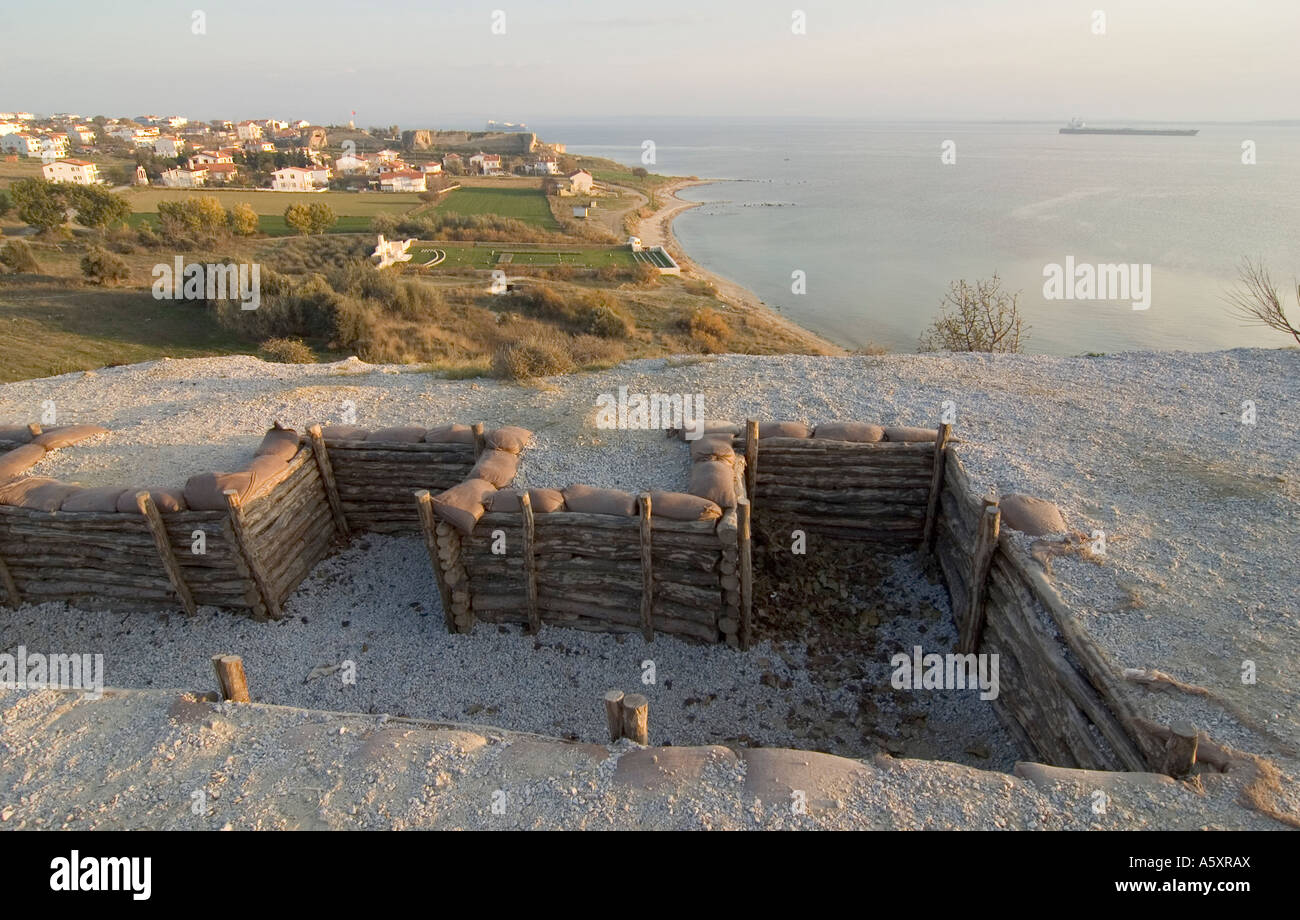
(1078, 127)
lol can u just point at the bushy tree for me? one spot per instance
(322, 217)
(39, 203)
(103, 267)
(97, 207)
(298, 217)
(976, 317)
(17, 257)
(242, 219)
(1257, 301)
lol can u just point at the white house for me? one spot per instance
(403, 180)
(249, 130)
(546, 166)
(21, 143)
(452, 159)
(220, 173)
(169, 146)
(320, 175)
(10, 127)
(185, 178)
(75, 172)
(486, 162)
(211, 157)
(579, 182)
(350, 163)
(293, 179)
(430, 169)
(176, 121)
(84, 134)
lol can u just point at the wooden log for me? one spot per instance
(986, 544)
(614, 714)
(636, 718)
(240, 535)
(327, 478)
(34, 430)
(424, 508)
(647, 569)
(530, 562)
(1180, 750)
(751, 458)
(231, 678)
(936, 486)
(746, 573)
(145, 505)
(480, 442)
(12, 597)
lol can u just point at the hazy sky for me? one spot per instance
(439, 64)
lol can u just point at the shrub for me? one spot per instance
(383, 223)
(298, 217)
(17, 257)
(242, 219)
(103, 267)
(976, 317)
(39, 203)
(287, 351)
(708, 327)
(5, 203)
(532, 356)
(321, 216)
(608, 323)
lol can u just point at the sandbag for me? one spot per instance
(267, 472)
(713, 448)
(344, 433)
(205, 491)
(1034, 516)
(896, 433)
(19, 460)
(449, 434)
(281, 443)
(590, 500)
(511, 438)
(101, 499)
(496, 466)
(783, 430)
(36, 492)
(678, 506)
(710, 428)
(543, 501)
(462, 505)
(165, 500)
(859, 432)
(67, 435)
(402, 434)
(714, 480)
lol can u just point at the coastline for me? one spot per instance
(657, 230)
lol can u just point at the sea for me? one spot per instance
(856, 229)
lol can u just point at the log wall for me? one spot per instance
(375, 479)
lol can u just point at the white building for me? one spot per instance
(10, 127)
(185, 178)
(293, 179)
(486, 162)
(580, 182)
(248, 130)
(76, 172)
(546, 166)
(403, 180)
(350, 163)
(21, 143)
(320, 175)
(84, 134)
(430, 169)
(211, 158)
(169, 147)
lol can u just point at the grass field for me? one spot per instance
(526, 204)
(270, 224)
(466, 256)
(355, 209)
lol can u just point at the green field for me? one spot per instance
(526, 204)
(270, 224)
(463, 255)
(355, 209)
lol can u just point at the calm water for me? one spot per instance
(880, 226)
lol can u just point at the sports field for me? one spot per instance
(463, 255)
(526, 204)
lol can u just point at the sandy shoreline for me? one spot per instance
(657, 230)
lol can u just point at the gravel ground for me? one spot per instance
(1199, 510)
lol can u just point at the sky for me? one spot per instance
(440, 64)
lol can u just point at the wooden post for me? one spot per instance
(243, 545)
(424, 508)
(1180, 749)
(636, 718)
(230, 678)
(34, 430)
(936, 486)
(986, 544)
(326, 470)
(614, 714)
(12, 597)
(530, 562)
(751, 457)
(145, 505)
(647, 570)
(480, 442)
(744, 547)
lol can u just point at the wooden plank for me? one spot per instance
(231, 678)
(327, 477)
(236, 518)
(530, 561)
(144, 503)
(751, 457)
(12, 597)
(986, 544)
(480, 442)
(424, 509)
(614, 714)
(936, 486)
(647, 569)
(746, 573)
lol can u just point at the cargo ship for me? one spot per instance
(1078, 127)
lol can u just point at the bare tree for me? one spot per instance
(976, 317)
(1257, 301)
